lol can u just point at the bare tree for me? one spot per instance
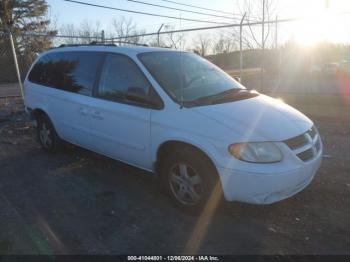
(153, 41)
(173, 40)
(86, 32)
(261, 10)
(225, 43)
(257, 36)
(90, 31)
(71, 31)
(124, 29)
(202, 44)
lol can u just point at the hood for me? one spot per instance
(261, 118)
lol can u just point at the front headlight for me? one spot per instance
(256, 152)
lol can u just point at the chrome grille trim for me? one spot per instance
(295, 142)
(306, 155)
(305, 146)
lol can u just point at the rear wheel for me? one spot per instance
(47, 135)
(190, 180)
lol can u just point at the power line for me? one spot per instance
(198, 7)
(175, 23)
(274, 21)
(188, 23)
(161, 32)
(142, 13)
(210, 27)
(183, 10)
(249, 23)
(51, 35)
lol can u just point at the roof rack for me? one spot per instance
(92, 43)
(96, 43)
(130, 43)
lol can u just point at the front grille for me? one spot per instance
(306, 146)
(296, 142)
(306, 155)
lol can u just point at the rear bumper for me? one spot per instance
(263, 188)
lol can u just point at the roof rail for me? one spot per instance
(130, 43)
(117, 42)
(92, 43)
(96, 43)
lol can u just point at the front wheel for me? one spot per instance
(191, 180)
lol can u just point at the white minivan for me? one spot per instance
(177, 115)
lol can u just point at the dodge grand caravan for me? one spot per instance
(177, 115)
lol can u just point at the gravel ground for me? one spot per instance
(78, 202)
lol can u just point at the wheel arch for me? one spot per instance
(38, 112)
(169, 145)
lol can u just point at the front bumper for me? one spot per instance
(266, 188)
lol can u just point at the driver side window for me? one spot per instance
(118, 74)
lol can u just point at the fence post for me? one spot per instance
(278, 51)
(103, 36)
(158, 34)
(16, 63)
(241, 47)
(262, 65)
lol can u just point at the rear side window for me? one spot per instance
(70, 71)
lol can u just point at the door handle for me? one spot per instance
(97, 115)
(83, 111)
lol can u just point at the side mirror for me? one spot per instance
(138, 94)
(237, 78)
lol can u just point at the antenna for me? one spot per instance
(181, 70)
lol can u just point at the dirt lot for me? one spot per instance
(9, 90)
(77, 202)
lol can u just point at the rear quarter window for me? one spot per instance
(70, 71)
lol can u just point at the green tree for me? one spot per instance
(23, 17)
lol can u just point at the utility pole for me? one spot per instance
(276, 32)
(262, 48)
(278, 52)
(241, 47)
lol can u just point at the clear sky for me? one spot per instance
(66, 12)
(75, 13)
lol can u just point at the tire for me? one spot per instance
(191, 181)
(47, 135)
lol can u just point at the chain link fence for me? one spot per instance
(280, 64)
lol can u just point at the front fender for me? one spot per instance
(206, 146)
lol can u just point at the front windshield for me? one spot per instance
(187, 76)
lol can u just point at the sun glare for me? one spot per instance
(317, 28)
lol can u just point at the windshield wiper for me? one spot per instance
(227, 95)
(229, 92)
(208, 99)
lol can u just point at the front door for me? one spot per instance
(121, 128)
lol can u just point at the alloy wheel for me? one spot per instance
(45, 136)
(185, 184)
